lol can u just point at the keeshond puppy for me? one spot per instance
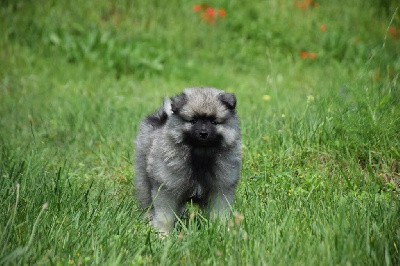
(190, 150)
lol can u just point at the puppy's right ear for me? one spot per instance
(177, 102)
(229, 100)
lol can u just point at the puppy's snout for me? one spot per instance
(203, 132)
(203, 135)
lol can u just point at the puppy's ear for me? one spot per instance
(229, 100)
(177, 102)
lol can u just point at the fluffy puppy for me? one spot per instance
(190, 150)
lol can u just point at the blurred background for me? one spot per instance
(182, 39)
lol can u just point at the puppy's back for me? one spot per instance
(144, 140)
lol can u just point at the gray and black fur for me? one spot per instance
(189, 150)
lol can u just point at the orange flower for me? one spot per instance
(394, 33)
(308, 55)
(306, 4)
(323, 28)
(197, 8)
(222, 13)
(303, 55)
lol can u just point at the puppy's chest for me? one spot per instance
(203, 174)
(199, 191)
(203, 168)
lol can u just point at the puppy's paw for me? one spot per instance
(163, 228)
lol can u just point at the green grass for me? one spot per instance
(321, 158)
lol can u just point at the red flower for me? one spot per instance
(210, 12)
(323, 28)
(312, 56)
(197, 8)
(209, 15)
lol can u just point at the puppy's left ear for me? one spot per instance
(229, 100)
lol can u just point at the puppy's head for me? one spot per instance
(204, 117)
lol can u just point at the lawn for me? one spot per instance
(317, 84)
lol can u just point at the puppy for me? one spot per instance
(189, 150)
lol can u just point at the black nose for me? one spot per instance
(203, 135)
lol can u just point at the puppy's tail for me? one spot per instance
(160, 117)
(166, 106)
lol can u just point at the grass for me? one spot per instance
(320, 177)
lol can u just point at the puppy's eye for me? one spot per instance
(215, 121)
(193, 121)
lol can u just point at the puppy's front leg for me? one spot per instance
(166, 207)
(219, 203)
